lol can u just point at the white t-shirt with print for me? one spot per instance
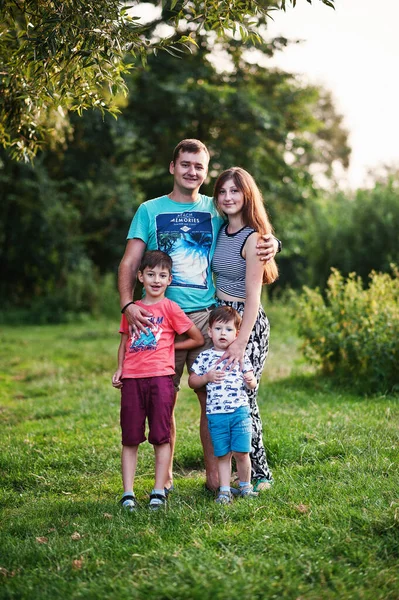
(229, 394)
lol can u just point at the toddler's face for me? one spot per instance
(222, 334)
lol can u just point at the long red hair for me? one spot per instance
(253, 212)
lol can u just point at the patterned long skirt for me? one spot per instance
(257, 350)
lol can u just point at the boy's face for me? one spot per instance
(155, 281)
(222, 334)
(190, 170)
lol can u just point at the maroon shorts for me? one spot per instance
(151, 397)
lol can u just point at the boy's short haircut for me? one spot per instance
(225, 314)
(156, 258)
(189, 145)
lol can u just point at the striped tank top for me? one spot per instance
(228, 264)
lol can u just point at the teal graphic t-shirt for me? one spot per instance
(188, 233)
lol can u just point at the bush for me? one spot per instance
(85, 294)
(354, 333)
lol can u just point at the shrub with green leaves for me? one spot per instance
(353, 333)
(352, 232)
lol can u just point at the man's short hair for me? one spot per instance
(225, 314)
(156, 258)
(189, 145)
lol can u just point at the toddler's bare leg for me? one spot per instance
(224, 469)
(243, 463)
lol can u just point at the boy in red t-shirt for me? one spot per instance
(145, 375)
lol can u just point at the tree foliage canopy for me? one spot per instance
(62, 222)
(69, 56)
(73, 209)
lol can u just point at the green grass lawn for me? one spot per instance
(329, 528)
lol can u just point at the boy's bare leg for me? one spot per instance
(129, 464)
(162, 463)
(169, 477)
(224, 469)
(210, 460)
(243, 463)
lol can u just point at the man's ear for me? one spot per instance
(172, 167)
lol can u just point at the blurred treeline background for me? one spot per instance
(64, 218)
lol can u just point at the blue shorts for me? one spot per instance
(231, 432)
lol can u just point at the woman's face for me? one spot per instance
(230, 199)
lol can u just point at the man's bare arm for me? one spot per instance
(267, 247)
(127, 276)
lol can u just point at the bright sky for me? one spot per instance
(354, 52)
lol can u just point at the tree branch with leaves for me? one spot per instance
(70, 56)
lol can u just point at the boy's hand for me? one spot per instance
(215, 376)
(267, 247)
(116, 379)
(248, 376)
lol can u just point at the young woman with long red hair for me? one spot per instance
(239, 279)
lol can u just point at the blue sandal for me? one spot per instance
(224, 498)
(248, 492)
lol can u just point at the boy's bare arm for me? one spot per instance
(196, 381)
(250, 380)
(116, 378)
(194, 340)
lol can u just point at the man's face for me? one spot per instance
(190, 170)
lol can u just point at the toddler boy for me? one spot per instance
(227, 405)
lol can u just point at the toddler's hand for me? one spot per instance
(249, 378)
(216, 376)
